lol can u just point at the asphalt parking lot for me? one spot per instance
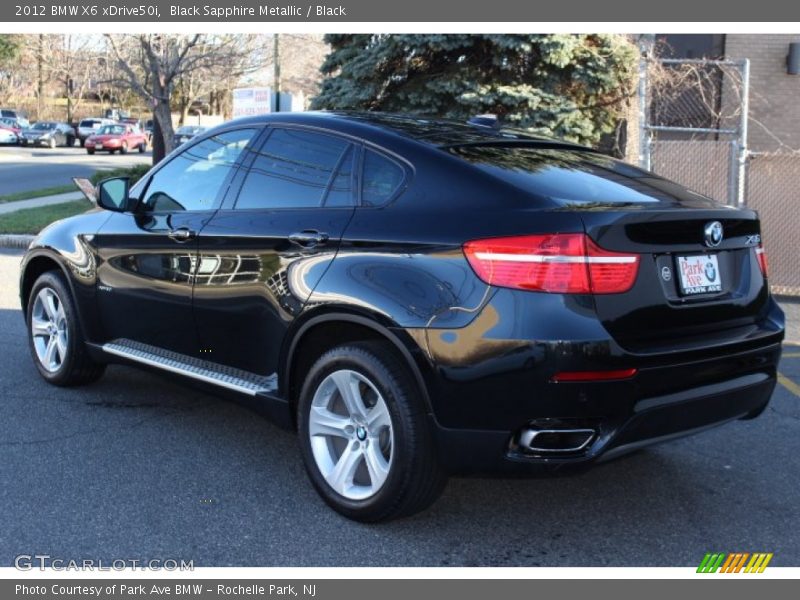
(139, 467)
(24, 168)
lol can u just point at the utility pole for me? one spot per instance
(276, 65)
(40, 73)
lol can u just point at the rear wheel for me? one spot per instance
(54, 334)
(365, 436)
(143, 147)
(124, 148)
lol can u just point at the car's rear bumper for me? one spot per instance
(482, 412)
(652, 420)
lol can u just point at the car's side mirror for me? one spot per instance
(111, 194)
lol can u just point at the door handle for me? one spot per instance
(309, 238)
(182, 234)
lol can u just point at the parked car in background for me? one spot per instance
(48, 133)
(185, 133)
(117, 137)
(88, 127)
(8, 136)
(16, 124)
(148, 130)
(12, 125)
(13, 114)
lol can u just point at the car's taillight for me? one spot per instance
(567, 263)
(762, 259)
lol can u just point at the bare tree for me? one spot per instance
(72, 60)
(153, 64)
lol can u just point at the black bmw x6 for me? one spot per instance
(416, 297)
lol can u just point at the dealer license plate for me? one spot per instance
(699, 274)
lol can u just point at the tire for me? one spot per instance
(89, 151)
(390, 471)
(123, 149)
(142, 147)
(57, 344)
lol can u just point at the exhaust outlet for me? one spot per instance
(556, 440)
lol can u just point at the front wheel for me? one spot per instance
(365, 436)
(54, 334)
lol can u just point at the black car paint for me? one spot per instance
(484, 356)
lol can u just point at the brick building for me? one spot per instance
(774, 122)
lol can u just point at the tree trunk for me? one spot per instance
(157, 142)
(162, 115)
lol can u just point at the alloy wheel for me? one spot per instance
(49, 329)
(351, 434)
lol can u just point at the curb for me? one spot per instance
(13, 240)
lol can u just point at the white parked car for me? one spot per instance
(7, 136)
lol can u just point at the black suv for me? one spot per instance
(416, 297)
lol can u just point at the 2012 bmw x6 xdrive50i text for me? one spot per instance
(416, 297)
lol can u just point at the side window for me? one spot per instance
(295, 169)
(380, 179)
(193, 179)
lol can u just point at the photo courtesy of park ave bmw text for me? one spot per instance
(321, 300)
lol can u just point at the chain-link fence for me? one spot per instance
(773, 190)
(693, 128)
(705, 166)
(694, 131)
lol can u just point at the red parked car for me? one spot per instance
(120, 137)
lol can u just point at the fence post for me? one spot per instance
(644, 133)
(741, 172)
(733, 174)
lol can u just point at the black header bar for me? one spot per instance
(443, 11)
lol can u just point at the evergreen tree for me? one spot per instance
(567, 86)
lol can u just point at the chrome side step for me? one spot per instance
(188, 366)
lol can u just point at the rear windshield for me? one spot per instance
(565, 177)
(89, 123)
(111, 130)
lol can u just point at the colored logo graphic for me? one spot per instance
(735, 562)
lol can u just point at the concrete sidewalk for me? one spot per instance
(8, 207)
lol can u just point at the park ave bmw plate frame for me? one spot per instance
(699, 274)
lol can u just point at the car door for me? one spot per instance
(147, 258)
(264, 251)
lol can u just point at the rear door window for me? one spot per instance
(298, 169)
(381, 178)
